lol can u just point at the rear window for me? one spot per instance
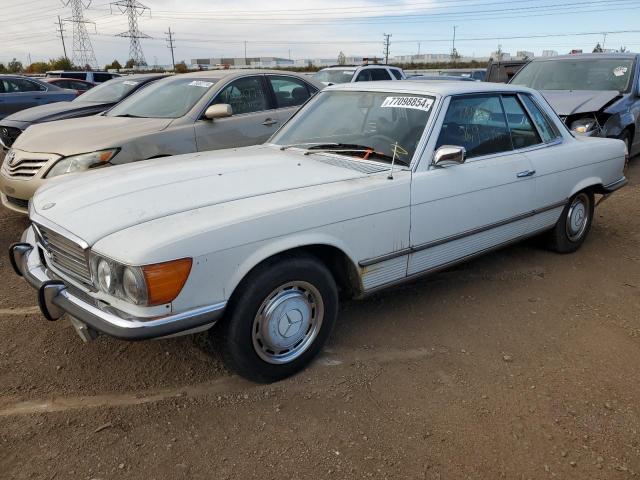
(102, 77)
(396, 73)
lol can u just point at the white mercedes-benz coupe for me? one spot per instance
(368, 185)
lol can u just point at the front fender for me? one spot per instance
(618, 123)
(274, 247)
(222, 271)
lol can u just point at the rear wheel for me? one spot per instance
(574, 224)
(279, 319)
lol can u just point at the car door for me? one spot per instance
(288, 94)
(557, 164)
(254, 118)
(460, 210)
(21, 93)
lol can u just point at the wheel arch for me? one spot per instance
(593, 184)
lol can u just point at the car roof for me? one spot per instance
(429, 88)
(590, 56)
(230, 74)
(341, 67)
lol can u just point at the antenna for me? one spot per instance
(133, 9)
(397, 150)
(82, 49)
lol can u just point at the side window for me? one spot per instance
(101, 77)
(476, 123)
(364, 76)
(76, 75)
(62, 84)
(245, 95)
(523, 132)
(547, 129)
(17, 85)
(289, 91)
(380, 74)
(396, 73)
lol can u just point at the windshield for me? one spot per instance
(334, 76)
(169, 98)
(578, 74)
(111, 91)
(369, 120)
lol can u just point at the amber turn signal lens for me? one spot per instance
(165, 280)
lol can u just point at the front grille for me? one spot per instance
(18, 202)
(8, 135)
(24, 168)
(65, 255)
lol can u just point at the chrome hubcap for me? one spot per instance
(287, 322)
(578, 217)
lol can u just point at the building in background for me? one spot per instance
(549, 53)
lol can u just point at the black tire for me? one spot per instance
(626, 138)
(299, 286)
(574, 224)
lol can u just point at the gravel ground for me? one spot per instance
(521, 364)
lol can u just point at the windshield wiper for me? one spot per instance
(349, 148)
(291, 145)
(128, 115)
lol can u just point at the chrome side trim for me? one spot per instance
(468, 233)
(617, 185)
(447, 265)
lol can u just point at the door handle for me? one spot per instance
(269, 121)
(526, 173)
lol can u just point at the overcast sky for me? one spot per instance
(314, 28)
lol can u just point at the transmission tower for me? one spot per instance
(82, 49)
(133, 9)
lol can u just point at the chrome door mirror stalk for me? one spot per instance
(220, 110)
(448, 155)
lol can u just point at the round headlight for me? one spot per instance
(134, 286)
(105, 276)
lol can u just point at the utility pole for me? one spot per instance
(454, 52)
(387, 43)
(171, 46)
(61, 31)
(245, 53)
(604, 40)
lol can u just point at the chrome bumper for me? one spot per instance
(89, 315)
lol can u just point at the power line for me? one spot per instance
(133, 9)
(82, 49)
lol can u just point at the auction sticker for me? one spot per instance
(620, 71)
(416, 103)
(200, 83)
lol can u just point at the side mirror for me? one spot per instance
(220, 110)
(448, 155)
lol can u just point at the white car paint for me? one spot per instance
(230, 210)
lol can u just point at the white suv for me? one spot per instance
(361, 73)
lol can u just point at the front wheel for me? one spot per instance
(574, 224)
(279, 319)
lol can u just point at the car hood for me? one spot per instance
(88, 134)
(56, 111)
(571, 102)
(95, 204)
